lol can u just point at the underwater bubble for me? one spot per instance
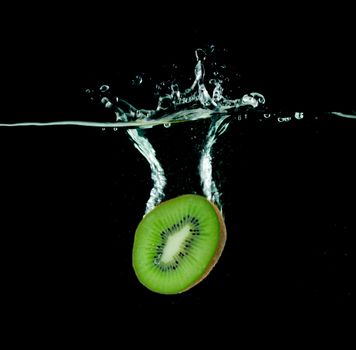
(167, 125)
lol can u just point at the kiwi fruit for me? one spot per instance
(178, 243)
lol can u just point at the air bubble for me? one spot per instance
(167, 125)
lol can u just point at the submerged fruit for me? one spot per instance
(178, 243)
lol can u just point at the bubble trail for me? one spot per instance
(142, 144)
(217, 127)
(210, 190)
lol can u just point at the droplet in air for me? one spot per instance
(200, 54)
(104, 88)
(137, 80)
(298, 115)
(105, 101)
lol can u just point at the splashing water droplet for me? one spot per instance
(106, 102)
(104, 88)
(217, 93)
(298, 115)
(137, 80)
(200, 54)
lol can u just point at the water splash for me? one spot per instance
(197, 92)
(194, 103)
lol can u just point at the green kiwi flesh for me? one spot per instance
(178, 243)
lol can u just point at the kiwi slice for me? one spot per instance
(178, 243)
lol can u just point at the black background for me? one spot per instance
(72, 196)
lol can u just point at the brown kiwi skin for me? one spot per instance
(219, 249)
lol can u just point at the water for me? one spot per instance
(194, 103)
(157, 173)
